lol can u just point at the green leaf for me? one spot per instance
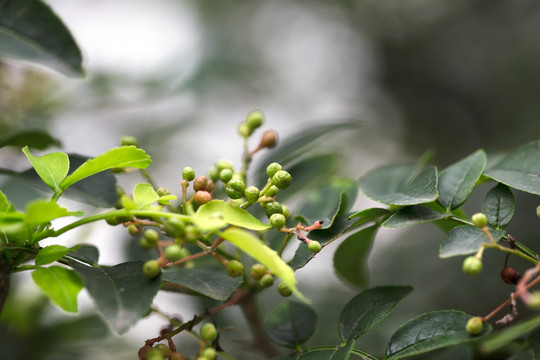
(368, 308)
(520, 169)
(415, 214)
(430, 331)
(144, 195)
(86, 253)
(50, 254)
(4, 203)
(51, 168)
(43, 211)
(368, 215)
(216, 214)
(12, 222)
(61, 285)
(350, 258)
(36, 139)
(342, 352)
(465, 240)
(506, 336)
(122, 293)
(498, 205)
(400, 184)
(31, 31)
(457, 181)
(291, 324)
(254, 247)
(211, 281)
(124, 156)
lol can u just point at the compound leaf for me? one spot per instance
(216, 214)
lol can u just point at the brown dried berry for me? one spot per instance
(510, 275)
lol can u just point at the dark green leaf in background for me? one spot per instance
(430, 331)
(291, 324)
(400, 184)
(457, 181)
(368, 308)
(36, 139)
(509, 334)
(498, 205)
(86, 253)
(526, 355)
(342, 352)
(465, 240)
(31, 31)
(415, 214)
(121, 293)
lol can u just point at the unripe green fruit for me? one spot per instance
(176, 356)
(284, 290)
(224, 164)
(244, 130)
(209, 332)
(255, 119)
(534, 300)
(202, 197)
(128, 140)
(161, 191)
(112, 221)
(225, 175)
(174, 228)
(145, 245)
(164, 349)
(209, 353)
(237, 185)
(188, 173)
(273, 208)
(252, 193)
(272, 169)
(200, 183)
(234, 268)
(538, 211)
(475, 325)
(267, 280)
(151, 236)
(213, 173)
(286, 212)
(272, 191)
(472, 266)
(278, 221)
(154, 354)
(133, 230)
(314, 246)
(258, 271)
(151, 269)
(192, 234)
(479, 219)
(269, 139)
(282, 179)
(233, 194)
(173, 252)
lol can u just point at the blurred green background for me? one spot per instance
(452, 76)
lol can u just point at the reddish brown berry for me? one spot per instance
(510, 275)
(202, 197)
(269, 139)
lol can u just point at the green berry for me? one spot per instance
(161, 191)
(534, 300)
(314, 246)
(234, 268)
(173, 252)
(145, 245)
(479, 219)
(237, 185)
(475, 325)
(151, 269)
(164, 349)
(224, 164)
(154, 354)
(272, 169)
(174, 228)
(202, 197)
(128, 140)
(538, 211)
(151, 236)
(282, 179)
(188, 173)
(273, 207)
(192, 234)
(286, 212)
(133, 230)
(233, 194)
(209, 332)
(284, 290)
(225, 175)
(277, 221)
(258, 271)
(213, 173)
(209, 353)
(472, 266)
(244, 130)
(176, 356)
(252, 193)
(255, 119)
(200, 183)
(267, 280)
(112, 221)
(272, 191)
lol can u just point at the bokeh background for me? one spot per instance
(451, 76)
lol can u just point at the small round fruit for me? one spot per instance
(234, 268)
(202, 197)
(475, 325)
(272, 191)
(272, 169)
(164, 349)
(284, 290)
(237, 185)
(281, 179)
(225, 175)
(244, 130)
(479, 219)
(161, 191)
(233, 194)
(209, 332)
(286, 212)
(267, 280)
(151, 269)
(534, 300)
(269, 139)
(255, 119)
(176, 356)
(175, 228)
(252, 193)
(200, 183)
(128, 140)
(145, 245)
(472, 266)
(258, 271)
(154, 354)
(173, 252)
(224, 164)
(538, 211)
(273, 207)
(133, 230)
(278, 221)
(209, 353)
(151, 236)
(510, 275)
(213, 173)
(314, 246)
(192, 234)
(188, 173)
